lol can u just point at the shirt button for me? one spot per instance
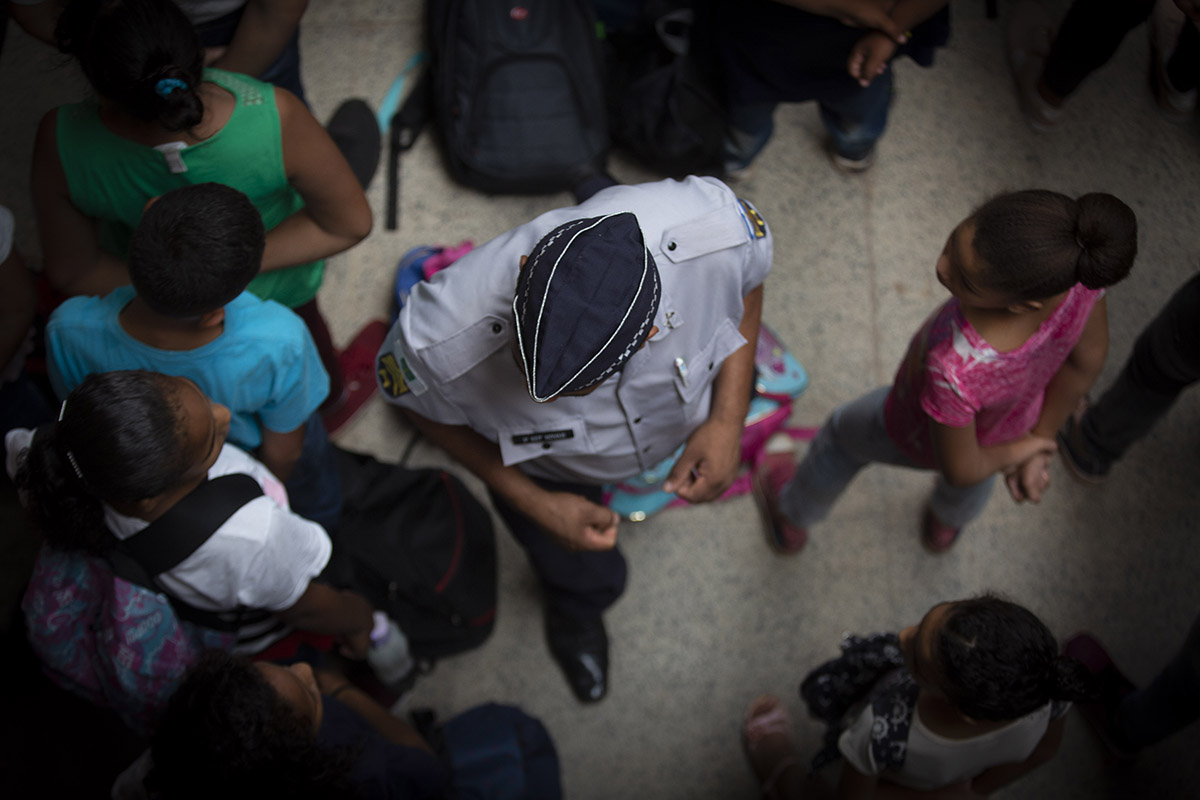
(497, 327)
(672, 246)
(636, 421)
(646, 449)
(710, 366)
(545, 445)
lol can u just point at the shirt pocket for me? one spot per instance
(563, 436)
(697, 372)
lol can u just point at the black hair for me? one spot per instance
(195, 249)
(999, 662)
(1037, 243)
(227, 733)
(143, 55)
(120, 440)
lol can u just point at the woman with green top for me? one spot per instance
(161, 121)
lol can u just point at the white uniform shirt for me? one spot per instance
(449, 356)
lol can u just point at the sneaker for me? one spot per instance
(1165, 24)
(852, 166)
(358, 372)
(1076, 454)
(1112, 685)
(1030, 33)
(937, 536)
(768, 480)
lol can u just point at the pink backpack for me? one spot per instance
(104, 630)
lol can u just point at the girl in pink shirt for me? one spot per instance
(988, 379)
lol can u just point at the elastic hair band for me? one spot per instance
(167, 85)
(70, 456)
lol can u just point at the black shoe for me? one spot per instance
(581, 648)
(1076, 454)
(355, 131)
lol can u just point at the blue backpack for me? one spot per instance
(495, 752)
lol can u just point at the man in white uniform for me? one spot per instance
(580, 349)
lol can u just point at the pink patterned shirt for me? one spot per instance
(950, 374)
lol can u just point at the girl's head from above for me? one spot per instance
(124, 438)
(234, 723)
(990, 659)
(144, 56)
(1022, 248)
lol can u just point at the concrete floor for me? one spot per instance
(711, 618)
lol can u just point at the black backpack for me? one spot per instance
(519, 92)
(666, 95)
(419, 546)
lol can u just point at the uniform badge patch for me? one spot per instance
(754, 220)
(391, 379)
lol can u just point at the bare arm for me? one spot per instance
(871, 14)
(39, 19)
(339, 612)
(263, 32)
(995, 778)
(964, 462)
(336, 215)
(72, 258)
(1077, 375)
(574, 521)
(280, 451)
(711, 459)
(392, 728)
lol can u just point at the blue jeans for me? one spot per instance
(855, 122)
(852, 437)
(315, 488)
(284, 73)
(1170, 702)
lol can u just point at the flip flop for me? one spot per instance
(767, 717)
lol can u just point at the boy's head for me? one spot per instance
(195, 249)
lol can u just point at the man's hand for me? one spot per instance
(1029, 479)
(578, 523)
(869, 57)
(709, 463)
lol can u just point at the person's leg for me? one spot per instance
(857, 119)
(750, 128)
(1087, 38)
(325, 349)
(1169, 703)
(315, 486)
(1165, 361)
(852, 437)
(955, 506)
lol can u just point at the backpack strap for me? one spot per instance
(170, 539)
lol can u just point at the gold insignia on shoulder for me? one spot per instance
(391, 378)
(758, 226)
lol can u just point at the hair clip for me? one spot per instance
(75, 466)
(62, 410)
(167, 85)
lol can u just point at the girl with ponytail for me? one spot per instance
(160, 121)
(988, 379)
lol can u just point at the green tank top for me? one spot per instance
(111, 178)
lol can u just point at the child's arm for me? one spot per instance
(992, 779)
(1077, 374)
(869, 14)
(261, 35)
(339, 612)
(336, 215)
(854, 785)
(870, 55)
(279, 452)
(72, 258)
(964, 462)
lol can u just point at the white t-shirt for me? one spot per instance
(933, 761)
(263, 557)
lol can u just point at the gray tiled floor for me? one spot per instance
(711, 618)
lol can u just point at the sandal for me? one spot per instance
(767, 718)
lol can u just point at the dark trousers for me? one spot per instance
(324, 341)
(1170, 702)
(1165, 361)
(1092, 31)
(578, 583)
(284, 73)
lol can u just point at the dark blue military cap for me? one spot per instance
(585, 302)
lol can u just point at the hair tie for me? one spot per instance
(70, 456)
(167, 85)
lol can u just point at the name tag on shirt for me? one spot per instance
(539, 437)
